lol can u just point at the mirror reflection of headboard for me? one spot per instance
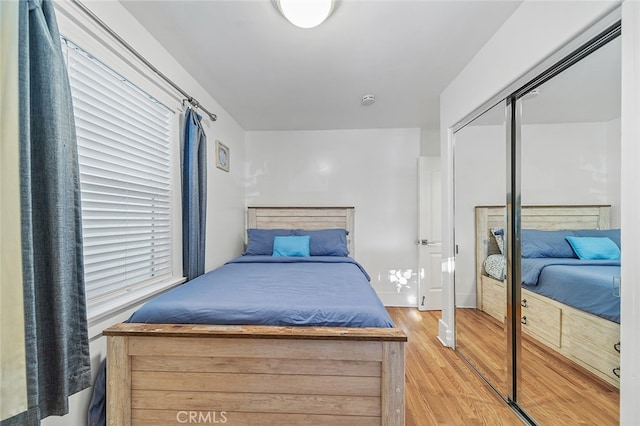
(534, 217)
(310, 218)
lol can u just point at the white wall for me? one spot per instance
(491, 72)
(430, 142)
(373, 170)
(225, 192)
(580, 161)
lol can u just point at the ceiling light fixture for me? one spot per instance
(306, 13)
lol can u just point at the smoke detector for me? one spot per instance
(368, 100)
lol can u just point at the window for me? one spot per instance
(124, 147)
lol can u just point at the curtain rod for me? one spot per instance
(144, 60)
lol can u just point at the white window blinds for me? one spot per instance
(124, 147)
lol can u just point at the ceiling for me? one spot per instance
(271, 75)
(588, 91)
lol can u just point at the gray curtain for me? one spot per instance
(56, 336)
(194, 195)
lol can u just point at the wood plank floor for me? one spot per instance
(441, 389)
(553, 389)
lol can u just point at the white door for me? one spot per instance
(429, 234)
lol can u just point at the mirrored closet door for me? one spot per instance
(570, 239)
(537, 217)
(480, 293)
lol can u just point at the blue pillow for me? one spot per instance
(326, 242)
(613, 234)
(291, 246)
(261, 240)
(593, 248)
(540, 243)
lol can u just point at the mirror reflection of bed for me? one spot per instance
(570, 312)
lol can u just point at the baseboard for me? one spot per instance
(445, 335)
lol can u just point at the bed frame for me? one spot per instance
(161, 374)
(586, 339)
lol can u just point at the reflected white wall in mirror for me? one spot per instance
(480, 170)
(480, 180)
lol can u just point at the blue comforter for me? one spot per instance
(327, 291)
(584, 284)
(264, 290)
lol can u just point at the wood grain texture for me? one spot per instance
(171, 418)
(306, 384)
(256, 403)
(441, 388)
(393, 410)
(256, 332)
(118, 381)
(256, 348)
(206, 371)
(211, 364)
(484, 347)
(585, 338)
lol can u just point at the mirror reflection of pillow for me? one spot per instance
(498, 235)
(613, 234)
(495, 266)
(544, 243)
(594, 248)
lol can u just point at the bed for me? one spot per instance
(571, 305)
(317, 348)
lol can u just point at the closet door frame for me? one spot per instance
(512, 243)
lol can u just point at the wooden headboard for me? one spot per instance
(310, 218)
(534, 217)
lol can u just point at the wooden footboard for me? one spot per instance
(246, 375)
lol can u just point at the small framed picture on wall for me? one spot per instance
(222, 156)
